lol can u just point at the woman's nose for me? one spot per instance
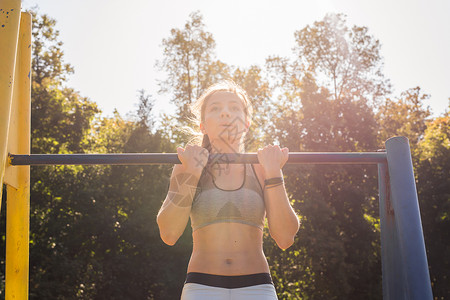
(225, 113)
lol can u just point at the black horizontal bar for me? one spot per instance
(172, 158)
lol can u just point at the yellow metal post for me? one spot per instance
(9, 29)
(18, 178)
(20, 116)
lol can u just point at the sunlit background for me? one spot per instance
(113, 45)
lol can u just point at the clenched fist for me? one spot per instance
(194, 158)
(273, 158)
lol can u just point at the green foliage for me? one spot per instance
(259, 91)
(47, 51)
(346, 60)
(92, 231)
(92, 227)
(432, 170)
(337, 205)
(325, 104)
(189, 61)
(60, 117)
(404, 117)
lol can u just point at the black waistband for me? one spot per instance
(229, 282)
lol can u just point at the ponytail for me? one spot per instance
(206, 143)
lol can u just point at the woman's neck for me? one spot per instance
(223, 146)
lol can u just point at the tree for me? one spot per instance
(259, 91)
(338, 240)
(345, 61)
(190, 64)
(432, 169)
(60, 116)
(144, 110)
(90, 236)
(405, 116)
(48, 57)
(323, 105)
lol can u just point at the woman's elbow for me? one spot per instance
(169, 238)
(285, 239)
(284, 243)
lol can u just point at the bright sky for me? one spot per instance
(113, 45)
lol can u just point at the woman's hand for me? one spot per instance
(272, 158)
(194, 158)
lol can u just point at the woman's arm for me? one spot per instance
(283, 222)
(176, 208)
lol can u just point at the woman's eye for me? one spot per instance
(234, 108)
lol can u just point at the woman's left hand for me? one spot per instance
(272, 157)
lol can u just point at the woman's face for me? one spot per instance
(225, 117)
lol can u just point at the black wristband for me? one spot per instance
(273, 185)
(273, 180)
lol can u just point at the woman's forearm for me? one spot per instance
(282, 219)
(174, 213)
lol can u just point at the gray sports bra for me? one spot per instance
(244, 205)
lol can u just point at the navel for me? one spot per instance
(228, 261)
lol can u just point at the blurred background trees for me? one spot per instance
(93, 228)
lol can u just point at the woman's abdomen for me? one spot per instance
(228, 249)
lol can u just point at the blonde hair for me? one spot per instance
(198, 110)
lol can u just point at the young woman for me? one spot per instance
(227, 203)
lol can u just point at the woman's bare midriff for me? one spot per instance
(228, 249)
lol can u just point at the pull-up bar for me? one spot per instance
(172, 158)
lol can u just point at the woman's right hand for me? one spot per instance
(194, 158)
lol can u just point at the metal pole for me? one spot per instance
(172, 158)
(9, 29)
(18, 179)
(407, 218)
(393, 278)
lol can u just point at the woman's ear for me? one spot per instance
(247, 125)
(202, 128)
